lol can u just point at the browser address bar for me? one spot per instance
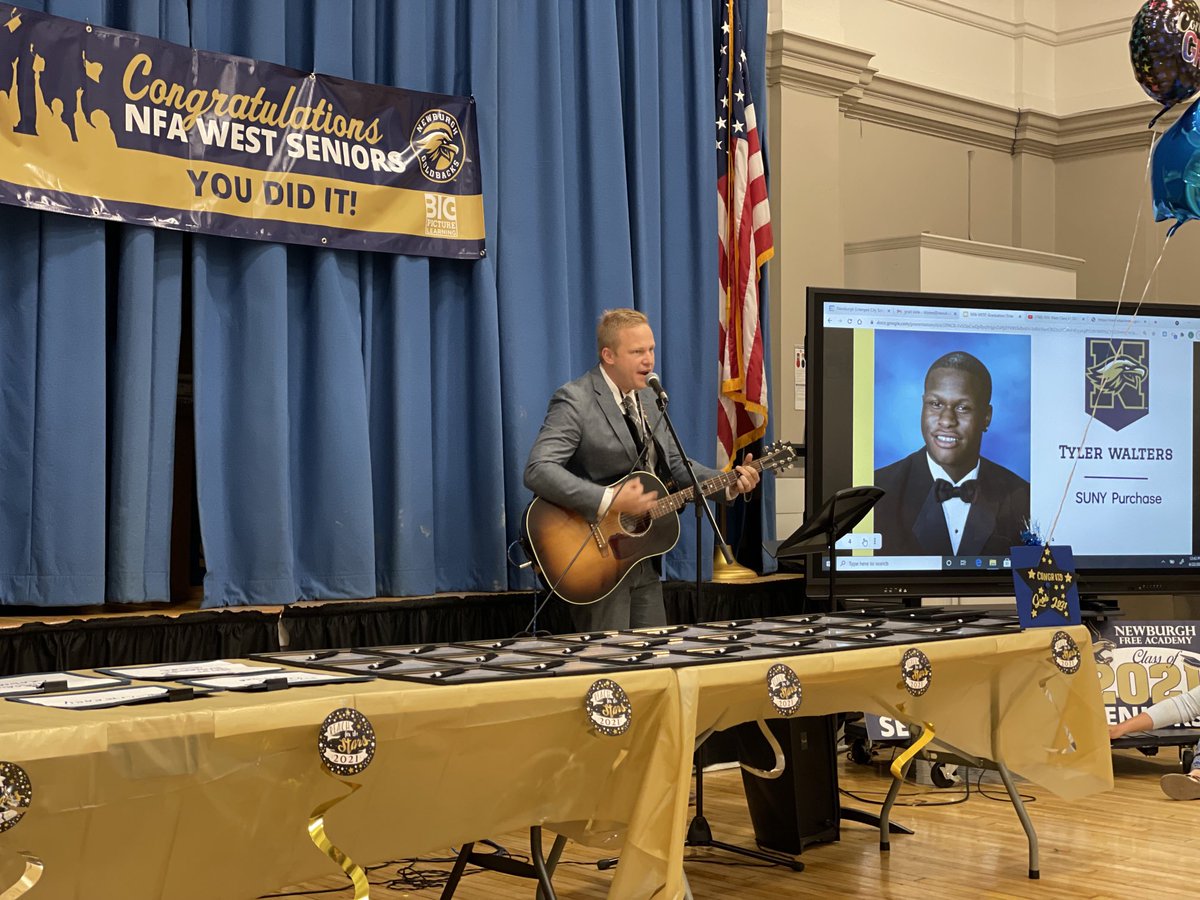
(975, 326)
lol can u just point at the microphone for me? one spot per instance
(655, 385)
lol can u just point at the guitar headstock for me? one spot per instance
(778, 455)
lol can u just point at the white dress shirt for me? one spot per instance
(955, 509)
(619, 399)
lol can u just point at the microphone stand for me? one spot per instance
(699, 833)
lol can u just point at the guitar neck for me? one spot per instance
(676, 501)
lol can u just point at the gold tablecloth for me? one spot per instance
(210, 798)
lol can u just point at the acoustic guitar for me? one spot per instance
(583, 562)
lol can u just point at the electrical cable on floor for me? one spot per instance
(1000, 798)
(990, 795)
(411, 877)
(915, 801)
(410, 874)
(334, 890)
(915, 796)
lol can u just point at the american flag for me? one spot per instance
(744, 229)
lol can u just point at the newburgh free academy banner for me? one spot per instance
(104, 123)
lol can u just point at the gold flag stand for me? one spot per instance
(729, 572)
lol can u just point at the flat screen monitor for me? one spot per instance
(1075, 421)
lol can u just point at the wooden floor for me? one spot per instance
(1132, 842)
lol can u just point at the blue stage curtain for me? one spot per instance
(362, 420)
(89, 349)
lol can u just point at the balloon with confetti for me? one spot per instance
(1165, 50)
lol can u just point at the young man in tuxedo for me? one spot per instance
(946, 499)
(598, 428)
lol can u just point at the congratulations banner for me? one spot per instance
(104, 123)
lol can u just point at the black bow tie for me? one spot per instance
(945, 490)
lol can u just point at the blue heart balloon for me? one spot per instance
(1175, 171)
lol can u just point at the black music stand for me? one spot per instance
(822, 530)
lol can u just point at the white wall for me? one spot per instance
(1010, 122)
(1056, 56)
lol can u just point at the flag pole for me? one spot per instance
(731, 571)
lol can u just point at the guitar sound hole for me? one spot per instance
(634, 525)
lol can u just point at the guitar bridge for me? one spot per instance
(598, 537)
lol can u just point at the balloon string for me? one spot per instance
(1092, 417)
(1137, 220)
(1117, 312)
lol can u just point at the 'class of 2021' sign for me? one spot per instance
(113, 125)
(1143, 663)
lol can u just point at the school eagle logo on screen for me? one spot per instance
(1117, 380)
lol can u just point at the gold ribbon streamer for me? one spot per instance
(903, 759)
(33, 872)
(316, 832)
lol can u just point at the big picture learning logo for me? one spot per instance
(608, 707)
(783, 687)
(438, 142)
(441, 215)
(16, 793)
(346, 742)
(1065, 653)
(916, 671)
(1117, 380)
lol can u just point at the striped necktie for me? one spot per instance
(637, 427)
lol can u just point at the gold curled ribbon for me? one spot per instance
(33, 872)
(918, 745)
(316, 833)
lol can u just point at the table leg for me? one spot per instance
(1023, 815)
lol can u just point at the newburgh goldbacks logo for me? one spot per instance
(1117, 375)
(438, 141)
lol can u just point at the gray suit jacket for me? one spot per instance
(585, 445)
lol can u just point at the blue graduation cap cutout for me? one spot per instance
(1045, 584)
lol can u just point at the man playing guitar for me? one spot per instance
(598, 429)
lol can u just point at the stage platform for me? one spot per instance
(32, 641)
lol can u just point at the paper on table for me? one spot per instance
(233, 682)
(26, 684)
(96, 699)
(171, 671)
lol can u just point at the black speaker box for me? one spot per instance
(800, 807)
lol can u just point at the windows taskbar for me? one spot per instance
(880, 563)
